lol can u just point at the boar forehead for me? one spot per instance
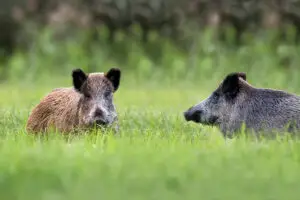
(97, 84)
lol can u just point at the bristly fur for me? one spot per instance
(236, 102)
(68, 109)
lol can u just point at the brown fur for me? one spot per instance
(60, 108)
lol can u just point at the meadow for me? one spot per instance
(157, 154)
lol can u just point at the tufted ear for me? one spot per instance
(231, 86)
(242, 75)
(114, 75)
(79, 78)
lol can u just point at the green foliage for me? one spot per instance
(160, 59)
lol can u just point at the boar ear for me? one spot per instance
(242, 75)
(79, 77)
(114, 75)
(230, 86)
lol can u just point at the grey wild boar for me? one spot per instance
(236, 104)
(89, 103)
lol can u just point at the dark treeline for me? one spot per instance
(170, 18)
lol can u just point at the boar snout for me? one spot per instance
(99, 117)
(99, 113)
(192, 115)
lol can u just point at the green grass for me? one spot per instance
(157, 154)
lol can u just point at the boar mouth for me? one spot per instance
(101, 122)
(196, 117)
(213, 120)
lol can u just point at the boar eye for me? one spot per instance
(86, 95)
(107, 93)
(216, 96)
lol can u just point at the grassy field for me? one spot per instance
(157, 155)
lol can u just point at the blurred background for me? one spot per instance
(165, 39)
(173, 54)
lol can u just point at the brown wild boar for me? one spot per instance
(87, 104)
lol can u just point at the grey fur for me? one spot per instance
(259, 109)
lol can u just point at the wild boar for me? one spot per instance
(87, 104)
(236, 103)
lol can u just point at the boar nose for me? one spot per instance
(100, 117)
(192, 115)
(98, 113)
